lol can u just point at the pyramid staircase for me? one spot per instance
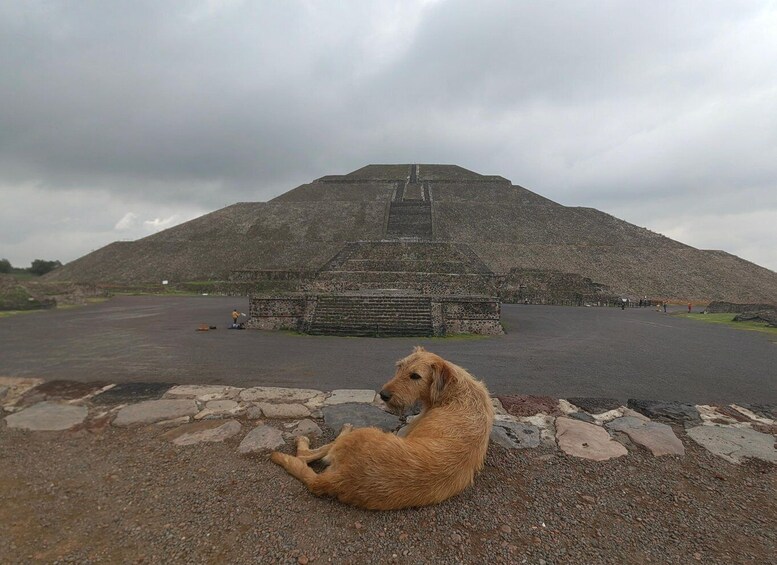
(372, 315)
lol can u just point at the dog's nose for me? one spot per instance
(385, 396)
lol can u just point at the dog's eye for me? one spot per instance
(415, 376)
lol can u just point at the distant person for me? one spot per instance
(664, 307)
(689, 307)
(235, 316)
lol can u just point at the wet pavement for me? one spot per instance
(547, 350)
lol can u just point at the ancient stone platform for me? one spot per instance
(260, 419)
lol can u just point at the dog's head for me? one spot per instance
(420, 377)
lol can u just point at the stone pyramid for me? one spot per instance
(426, 218)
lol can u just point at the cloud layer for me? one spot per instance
(117, 121)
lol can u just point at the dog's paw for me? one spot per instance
(347, 428)
(302, 442)
(277, 457)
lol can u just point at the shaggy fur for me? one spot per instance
(444, 447)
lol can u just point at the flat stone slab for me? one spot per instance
(594, 405)
(47, 416)
(712, 415)
(261, 438)
(215, 409)
(658, 438)
(583, 417)
(350, 395)
(278, 394)
(581, 439)
(15, 387)
(205, 431)
(661, 410)
(755, 417)
(515, 435)
(768, 411)
(360, 416)
(63, 390)
(288, 411)
(124, 393)
(527, 405)
(735, 444)
(204, 393)
(152, 411)
(306, 428)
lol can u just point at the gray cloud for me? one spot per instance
(664, 114)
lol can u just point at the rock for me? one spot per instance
(125, 393)
(278, 394)
(47, 416)
(360, 416)
(205, 431)
(497, 405)
(316, 402)
(658, 438)
(3, 391)
(216, 409)
(733, 413)
(306, 428)
(711, 414)
(752, 412)
(546, 425)
(254, 413)
(763, 410)
(152, 411)
(515, 435)
(583, 417)
(204, 393)
(528, 405)
(16, 387)
(594, 405)
(588, 441)
(735, 444)
(348, 396)
(261, 438)
(767, 316)
(175, 422)
(62, 390)
(673, 411)
(288, 411)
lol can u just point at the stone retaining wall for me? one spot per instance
(450, 315)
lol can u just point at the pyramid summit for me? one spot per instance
(423, 219)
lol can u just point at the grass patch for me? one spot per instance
(728, 320)
(9, 313)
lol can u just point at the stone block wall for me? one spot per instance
(450, 315)
(277, 312)
(453, 315)
(537, 286)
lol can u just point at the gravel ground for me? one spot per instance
(123, 496)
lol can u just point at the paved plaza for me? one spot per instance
(550, 350)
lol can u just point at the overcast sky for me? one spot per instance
(121, 119)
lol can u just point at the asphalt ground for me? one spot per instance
(550, 350)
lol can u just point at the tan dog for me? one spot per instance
(444, 447)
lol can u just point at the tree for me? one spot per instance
(5, 266)
(41, 267)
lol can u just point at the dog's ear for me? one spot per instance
(441, 377)
(418, 349)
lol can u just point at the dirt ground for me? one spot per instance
(127, 496)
